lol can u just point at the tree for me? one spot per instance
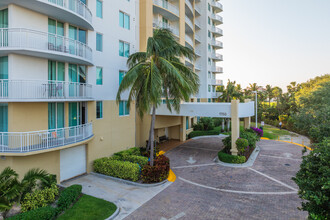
(158, 73)
(269, 92)
(313, 180)
(229, 92)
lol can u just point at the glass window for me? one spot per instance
(4, 18)
(55, 115)
(121, 76)
(198, 100)
(209, 7)
(124, 20)
(3, 119)
(127, 22)
(99, 8)
(99, 42)
(209, 88)
(124, 49)
(209, 75)
(3, 68)
(99, 109)
(123, 108)
(209, 100)
(187, 122)
(208, 20)
(99, 76)
(209, 34)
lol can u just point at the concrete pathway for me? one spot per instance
(127, 197)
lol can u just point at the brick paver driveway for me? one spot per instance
(204, 190)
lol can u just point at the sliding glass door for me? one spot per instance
(3, 26)
(3, 124)
(56, 78)
(3, 77)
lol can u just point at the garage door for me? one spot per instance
(72, 162)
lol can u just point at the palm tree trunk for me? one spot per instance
(152, 135)
(223, 125)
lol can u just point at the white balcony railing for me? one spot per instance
(216, 30)
(167, 5)
(189, 40)
(23, 142)
(217, 69)
(76, 6)
(219, 82)
(217, 5)
(197, 37)
(217, 43)
(216, 56)
(38, 89)
(26, 39)
(190, 6)
(197, 9)
(173, 29)
(217, 18)
(189, 22)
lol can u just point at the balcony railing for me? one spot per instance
(189, 40)
(24, 142)
(216, 56)
(219, 82)
(167, 5)
(189, 22)
(217, 43)
(173, 29)
(38, 89)
(216, 30)
(76, 6)
(190, 6)
(197, 37)
(217, 5)
(217, 69)
(217, 18)
(26, 39)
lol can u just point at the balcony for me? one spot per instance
(173, 29)
(216, 94)
(197, 10)
(216, 31)
(216, 69)
(191, 8)
(198, 67)
(198, 53)
(35, 90)
(189, 25)
(41, 44)
(72, 11)
(198, 25)
(217, 44)
(217, 7)
(166, 9)
(216, 82)
(190, 41)
(216, 19)
(197, 38)
(217, 57)
(34, 141)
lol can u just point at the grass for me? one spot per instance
(271, 132)
(89, 208)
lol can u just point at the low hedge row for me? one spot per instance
(132, 151)
(120, 169)
(227, 158)
(203, 133)
(43, 213)
(158, 173)
(142, 161)
(67, 197)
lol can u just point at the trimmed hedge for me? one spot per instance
(132, 151)
(158, 173)
(203, 133)
(142, 161)
(227, 158)
(67, 197)
(242, 145)
(44, 213)
(120, 169)
(39, 198)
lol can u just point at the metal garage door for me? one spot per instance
(72, 162)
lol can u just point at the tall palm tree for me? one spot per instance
(269, 91)
(229, 92)
(158, 73)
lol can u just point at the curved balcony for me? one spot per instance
(72, 11)
(38, 90)
(189, 25)
(191, 8)
(173, 29)
(198, 67)
(216, 19)
(44, 45)
(197, 10)
(34, 141)
(217, 44)
(217, 57)
(217, 7)
(217, 69)
(216, 31)
(197, 38)
(217, 82)
(166, 9)
(198, 25)
(198, 53)
(190, 41)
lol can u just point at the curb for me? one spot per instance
(114, 214)
(300, 145)
(248, 163)
(208, 136)
(129, 182)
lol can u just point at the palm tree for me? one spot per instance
(158, 73)
(229, 92)
(269, 91)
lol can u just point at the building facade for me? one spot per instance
(61, 63)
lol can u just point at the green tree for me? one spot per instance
(269, 92)
(158, 73)
(229, 92)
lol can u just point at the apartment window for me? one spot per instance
(209, 6)
(99, 9)
(209, 47)
(124, 49)
(209, 74)
(4, 18)
(99, 42)
(121, 76)
(123, 108)
(99, 76)
(56, 71)
(208, 20)
(165, 23)
(55, 115)
(209, 88)
(209, 61)
(76, 34)
(55, 30)
(187, 123)
(124, 20)
(99, 109)
(198, 100)
(4, 122)
(209, 34)
(213, 88)
(209, 100)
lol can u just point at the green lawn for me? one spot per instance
(89, 208)
(271, 132)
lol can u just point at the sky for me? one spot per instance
(275, 41)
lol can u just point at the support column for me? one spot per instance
(183, 129)
(247, 121)
(234, 126)
(182, 22)
(146, 19)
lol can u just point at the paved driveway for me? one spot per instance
(204, 190)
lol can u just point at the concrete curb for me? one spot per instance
(248, 163)
(114, 214)
(208, 136)
(129, 182)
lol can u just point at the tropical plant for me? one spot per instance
(158, 73)
(269, 92)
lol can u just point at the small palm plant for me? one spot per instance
(159, 73)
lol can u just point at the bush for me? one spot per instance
(121, 169)
(67, 197)
(39, 198)
(158, 173)
(242, 145)
(203, 133)
(142, 161)
(258, 131)
(251, 136)
(132, 151)
(43, 213)
(204, 124)
(217, 122)
(313, 180)
(227, 158)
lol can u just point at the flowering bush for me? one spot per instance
(258, 131)
(158, 173)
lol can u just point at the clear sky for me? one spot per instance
(275, 41)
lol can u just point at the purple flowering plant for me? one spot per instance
(258, 131)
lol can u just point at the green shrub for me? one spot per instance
(132, 151)
(204, 124)
(251, 137)
(142, 161)
(158, 173)
(203, 133)
(227, 158)
(43, 213)
(67, 197)
(241, 145)
(39, 198)
(121, 169)
(217, 122)
(313, 180)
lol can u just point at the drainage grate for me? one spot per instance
(287, 164)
